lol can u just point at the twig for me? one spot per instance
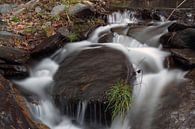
(176, 9)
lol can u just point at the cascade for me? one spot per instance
(142, 49)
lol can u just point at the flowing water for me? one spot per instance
(142, 49)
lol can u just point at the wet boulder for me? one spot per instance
(81, 10)
(49, 45)
(149, 34)
(146, 14)
(13, 55)
(180, 39)
(178, 27)
(87, 76)
(181, 58)
(13, 110)
(12, 62)
(16, 71)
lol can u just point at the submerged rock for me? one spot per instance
(13, 110)
(87, 76)
(177, 108)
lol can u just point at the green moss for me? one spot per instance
(99, 21)
(119, 98)
(70, 2)
(53, 18)
(30, 30)
(15, 19)
(72, 37)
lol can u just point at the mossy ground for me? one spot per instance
(34, 25)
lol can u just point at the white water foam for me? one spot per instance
(122, 17)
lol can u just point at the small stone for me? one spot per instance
(6, 34)
(5, 8)
(38, 9)
(48, 23)
(181, 117)
(57, 10)
(192, 112)
(63, 31)
(80, 10)
(88, 3)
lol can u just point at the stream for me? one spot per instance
(143, 51)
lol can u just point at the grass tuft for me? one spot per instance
(15, 19)
(72, 37)
(119, 98)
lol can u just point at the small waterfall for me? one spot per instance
(93, 38)
(127, 41)
(81, 111)
(143, 51)
(147, 94)
(122, 17)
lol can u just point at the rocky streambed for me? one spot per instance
(82, 77)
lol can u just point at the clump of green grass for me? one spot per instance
(69, 2)
(15, 19)
(72, 37)
(30, 30)
(119, 98)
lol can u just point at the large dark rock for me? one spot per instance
(13, 55)
(178, 27)
(12, 62)
(87, 76)
(180, 39)
(16, 71)
(181, 58)
(147, 15)
(81, 10)
(49, 45)
(8, 38)
(13, 111)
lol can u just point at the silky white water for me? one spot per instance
(143, 51)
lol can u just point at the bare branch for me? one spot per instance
(176, 9)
